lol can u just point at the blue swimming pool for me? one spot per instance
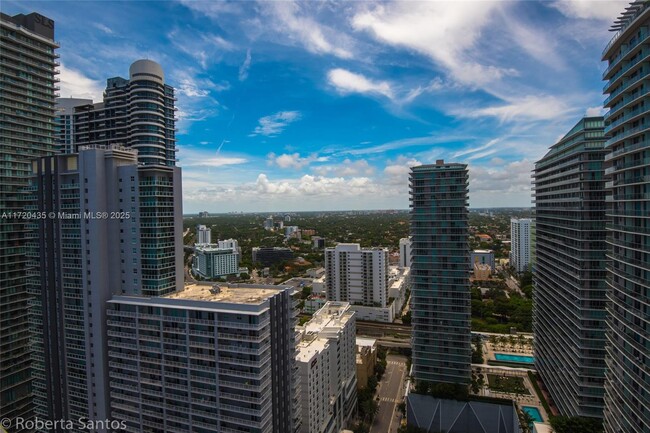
(514, 358)
(533, 412)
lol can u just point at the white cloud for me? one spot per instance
(405, 143)
(487, 145)
(349, 82)
(522, 108)
(189, 84)
(311, 186)
(189, 157)
(397, 172)
(290, 19)
(275, 123)
(598, 110)
(293, 160)
(205, 48)
(347, 168)
(591, 9)
(76, 85)
(243, 69)
(513, 177)
(103, 28)
(428, 28)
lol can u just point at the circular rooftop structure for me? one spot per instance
(146, 69)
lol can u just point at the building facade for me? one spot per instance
(520, 246)
(327, 369)
(627, 384)
(98, 194)
(137, 113)
(203, 234)
(268, 256)
(440, 269)
(569, 281)
(212, 261)
(206, 359)
(483, 257)
(405, 253)
(27, 93)
(64, 127)
(357, 275)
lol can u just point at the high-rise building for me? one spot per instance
(405, 253)
(99, 194)
(627, 383)
(205, 359)
(357, 275)
(203, 234)
(570, 288)
(520, 244)
(440, 269)
(137, 113)
(327, 369)
(27, 93)
(65, 120)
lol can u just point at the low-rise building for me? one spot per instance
(212, 261)
(483, 257)
(267, 256)
(366, 359)
(317, 242)
(327, 369)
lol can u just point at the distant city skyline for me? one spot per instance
(325, 106)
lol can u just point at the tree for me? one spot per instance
(406, 318)
(576, 424)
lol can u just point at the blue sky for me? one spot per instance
(325, 105)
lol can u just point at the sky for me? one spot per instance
(324, 105)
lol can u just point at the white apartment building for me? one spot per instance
(520, 247)
(203, 235)
(213, 261)
(327, 368)
(405, 253)
(358, 276)
(210, 358)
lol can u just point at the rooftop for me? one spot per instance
(332, 314)
(233, 293)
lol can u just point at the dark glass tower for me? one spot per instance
(440, 300)
(27, 93)
(570, 288)
(627, 124)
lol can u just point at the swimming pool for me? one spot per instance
(514, 358)
(533, 412)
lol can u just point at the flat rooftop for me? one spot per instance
(234, 294)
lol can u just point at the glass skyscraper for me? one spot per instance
(27, 93)
(440, 269)
(570, 288)
(627, 124)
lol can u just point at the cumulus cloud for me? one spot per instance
(512, 177)
(293, 160)
(397, 172)
(347, 168)
(275, 123)
(74, 84)
(316, 186)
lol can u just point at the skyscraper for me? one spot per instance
(440, 294)
(205, 359)
(65, 121)
(570, 288)
(405, 253)
(627, 384)
(520, 244)
(137, 113)
(96, 242)
(27, 93)
(203, 234)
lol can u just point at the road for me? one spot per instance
(390, 393)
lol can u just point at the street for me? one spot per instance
(390, 393)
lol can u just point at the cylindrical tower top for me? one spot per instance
(148, 69)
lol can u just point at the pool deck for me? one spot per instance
(523, 400)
